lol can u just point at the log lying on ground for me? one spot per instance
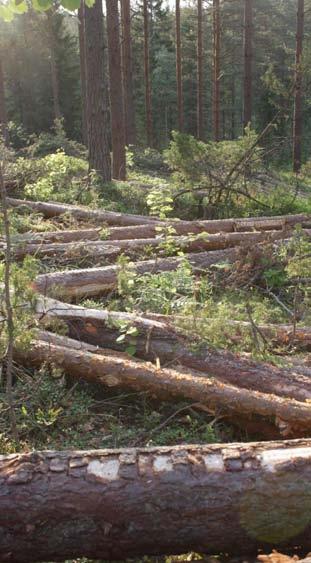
(213, 226)
(114, 504)
(99, 216)
(97, 281)
(56, 236)
(290, 415)
(187, 244)
(155, 339)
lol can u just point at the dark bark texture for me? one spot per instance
(97, 103)
(297, 133)
(81, 29)
(127, 74)
(180, 103)
(148, 102)
(216, 70)
(248, 55)
(200, 78)
(114, 504)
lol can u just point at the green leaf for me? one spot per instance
(89, 3)
(18, 7)
(41, 5)
(131, 350)
(6, 14)
(70, 5)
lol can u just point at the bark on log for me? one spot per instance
(97, 281)
(113, 248)
(99, 216)
(292, 417)
(114, 504)
(57, 236)
(156, 339)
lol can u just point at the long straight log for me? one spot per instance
(99, 249)
(155, 339)
(99, 216)
(291, 416)
(57, 236)
(97, 281)
(114, 504)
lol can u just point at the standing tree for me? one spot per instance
(200, 125)
(180, 104)
(248, 55)
(216, 70)
(297, 130)
(148, 103)
(82, 70)
(116, 91)
(51, 40)
(127, 74)
(97, 103)
(3, 115)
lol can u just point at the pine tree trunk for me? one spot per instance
(116, 91)
(200, 118)
(54, 66)
(216, 70)
(248, 56)
(127, 73)
(148, 101)
(3, 115)
(115, 504)
(297, 133)
(82, 72)
(233, 108)
(97, 103)
(180, 102)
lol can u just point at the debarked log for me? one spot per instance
(98, 216)
(97, 281)
(113, 504)
(292, 417)
(155, 340)
(114, 248)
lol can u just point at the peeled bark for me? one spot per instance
(114, 504)
(290, 416)
(157, 339)
(98, 216)
(98, 281)
(116, 91)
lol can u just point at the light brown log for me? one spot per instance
(97, 281)
(156, 339)
(114, 504)
(99, 216)
(57, 236)
(291, 416)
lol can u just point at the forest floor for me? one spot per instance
(54, 410)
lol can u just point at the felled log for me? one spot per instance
(290, 416)
(97, 281)
(155, 339)
(213, 226)
(114, 504)
(56, 237)
(99, 216)
(187, 244)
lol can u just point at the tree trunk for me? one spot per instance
(116, 91)
(81, 29)
(113, 504)
(127, 74)
(200, 118)
(113, 248)
(84, 214)
(291, 416)
(3, 115)
(148, 102)
(216, 70)
(158, 339)
(248, 59)
(97, 104)
(297, 133)
(98, 281)
(53, 65)
(142, 226)
(180, 102)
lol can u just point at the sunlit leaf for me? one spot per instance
(70, 5)
(89, 3)
(18, 8)
(41, 5)
(6, 14)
